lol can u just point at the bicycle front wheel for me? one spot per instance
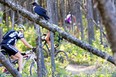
(61, 57)
(33, 69)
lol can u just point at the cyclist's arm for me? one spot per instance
(26, 43)
(47, 38)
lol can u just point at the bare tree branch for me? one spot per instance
(55, 28)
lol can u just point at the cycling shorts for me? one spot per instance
(10, 49)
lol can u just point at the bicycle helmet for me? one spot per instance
(21, 27)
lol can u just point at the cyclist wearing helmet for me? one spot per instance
(70, 20)
(9, 44)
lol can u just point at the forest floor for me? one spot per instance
(78, 69)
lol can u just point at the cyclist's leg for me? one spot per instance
(14, 53)
(14, 58)
(20, 60)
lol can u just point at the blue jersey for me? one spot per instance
(11, 37)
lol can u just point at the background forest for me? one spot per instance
(88, 28)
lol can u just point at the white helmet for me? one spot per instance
(20, 26)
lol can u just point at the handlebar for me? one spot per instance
(34, 49)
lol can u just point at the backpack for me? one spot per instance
(6, 36)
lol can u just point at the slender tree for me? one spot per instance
(41, 69)
(0, 36)
(78, 14)
(62, 13)
(52, 14)
(90, 21)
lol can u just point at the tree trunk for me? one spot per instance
(55, 28)
(78, 14)
(115, 3)
(41, 69)
(52, 13)
(108, 15)
(90, 21)
(1, 17)
(0, 36)
(9, 66)
(62, 14)
(40, 73)
(6, 16)
(13, 19)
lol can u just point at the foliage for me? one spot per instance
(76, 55)
(79, 56)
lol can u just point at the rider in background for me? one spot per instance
(9, 44)
(71, 23)
(70, 20)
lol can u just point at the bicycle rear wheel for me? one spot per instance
(33, 69)
(45, 52)
(61, 57)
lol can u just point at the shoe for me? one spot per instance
(19, 71)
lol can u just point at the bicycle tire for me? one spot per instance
(46, 53)
(61, 56)
(33, 69)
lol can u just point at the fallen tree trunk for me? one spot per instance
(9, 66)
(55, 28)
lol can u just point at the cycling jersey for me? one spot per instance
(68, 19)
(11, 37)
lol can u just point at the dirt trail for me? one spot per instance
(77, 69)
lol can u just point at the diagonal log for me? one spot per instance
(55, 28)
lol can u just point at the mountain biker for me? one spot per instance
(9, 44)
(70, 20)
(57, 39)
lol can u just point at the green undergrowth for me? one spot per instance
(76, 55)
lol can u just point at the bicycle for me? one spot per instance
(29, 55)
(60, 55)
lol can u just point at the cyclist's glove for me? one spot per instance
(23, 54)
(34, 49)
